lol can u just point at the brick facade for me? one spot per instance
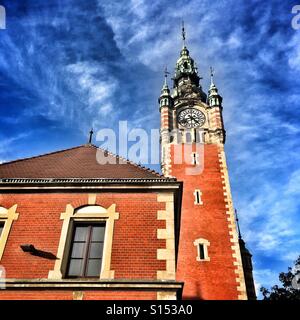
(217, 278)
(134, 247)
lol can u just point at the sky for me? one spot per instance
(69, 65)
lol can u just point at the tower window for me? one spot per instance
(86, 250)
(1, 227)
(197, 194)
(178, 137)
(195, 157)
(202, 249)
(198, 136)
(188, 137)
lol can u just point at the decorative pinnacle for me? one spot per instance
(211, 76)
(183, 33)
(91, 136)
(237, 222)
(166, 72)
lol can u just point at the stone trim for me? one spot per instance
(88, 186)
(166, 160)
(78, 295)
(82, 285)
(92, 199)
(168, 234)
(236, 254)
(7, 216)
(206, 244)
(166, 295)
(70, 215)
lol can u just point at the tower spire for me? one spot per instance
(183, 34)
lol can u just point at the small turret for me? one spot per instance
(214, 99)
(165, 99)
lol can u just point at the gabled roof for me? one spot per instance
(77, 162)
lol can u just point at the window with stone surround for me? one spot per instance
(202, 249)
(86, 243)
(7, 216)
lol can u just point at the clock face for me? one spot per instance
(191, 118)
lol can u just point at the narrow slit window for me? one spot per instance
(1, 227)
(188, 137)
(195, 158)
(198, 136)
(201, 251)
(197, 195)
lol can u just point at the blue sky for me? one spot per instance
(68, 65)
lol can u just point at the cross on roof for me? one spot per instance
(91, 136)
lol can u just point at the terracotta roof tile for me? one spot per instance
(78, 162)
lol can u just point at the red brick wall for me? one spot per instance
(135, 240)
(68, 295)
(214, 279)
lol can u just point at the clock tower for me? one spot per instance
(192, 150)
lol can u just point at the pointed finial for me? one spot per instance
(91, 136)
(238, 225)
(166, 72)
(183, 33)
(211, 76)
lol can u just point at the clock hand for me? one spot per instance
(195, 119)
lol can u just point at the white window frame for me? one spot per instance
(7, 216)
(205, 244)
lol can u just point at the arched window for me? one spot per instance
(85, 243)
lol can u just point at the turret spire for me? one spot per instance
(166, 72)
(238, 225)
(211, 76)
(165, 98)
(214, 99)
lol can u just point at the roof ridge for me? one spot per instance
(41, 155)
